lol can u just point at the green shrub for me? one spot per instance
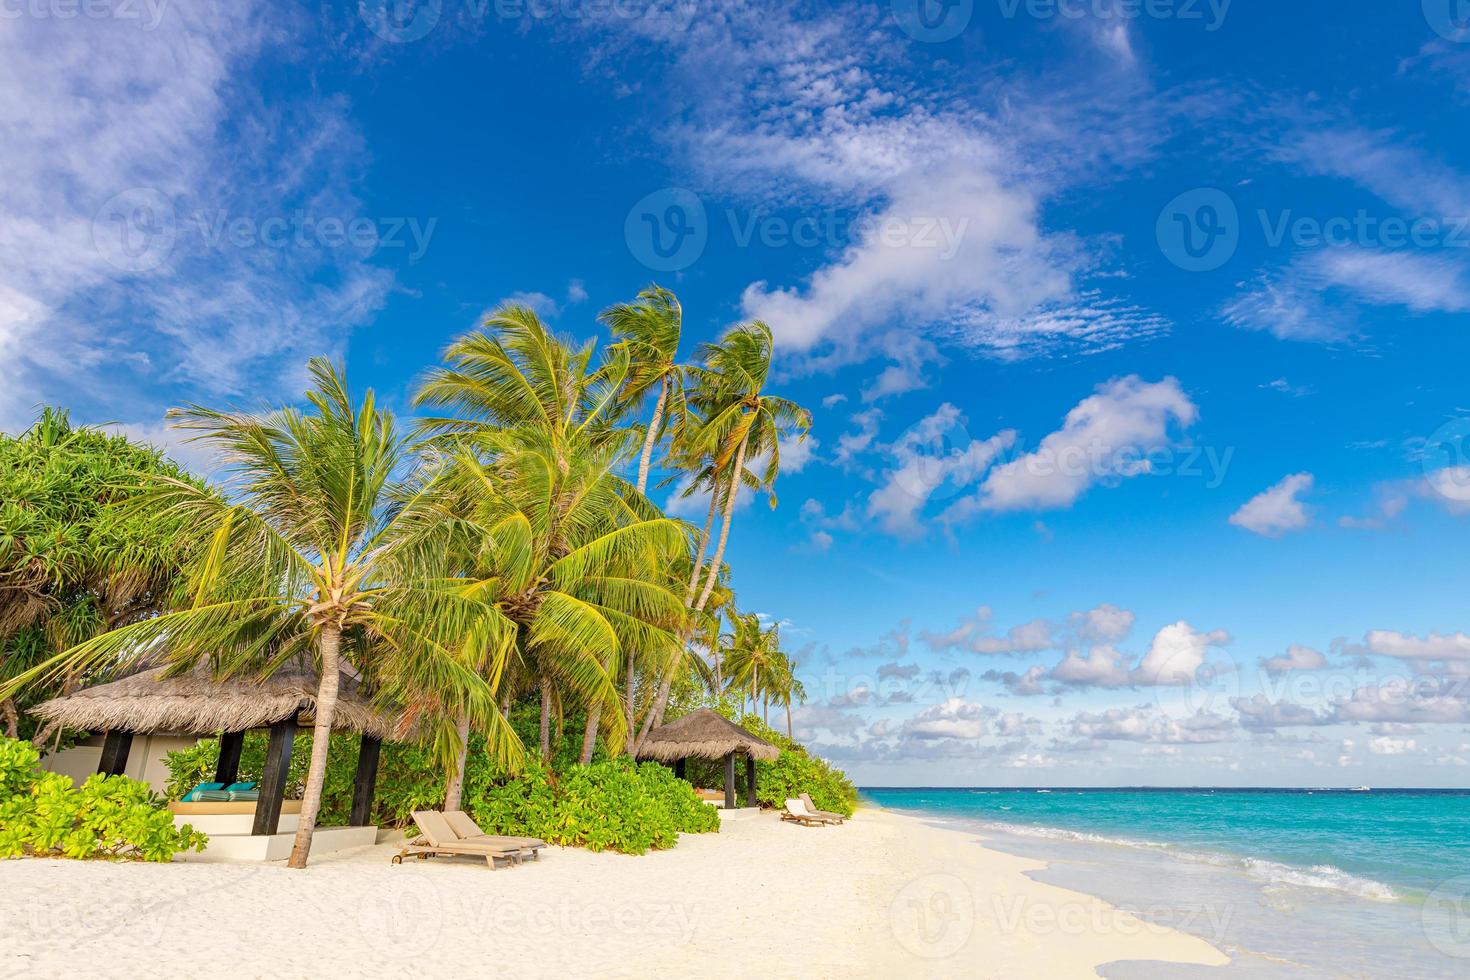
(41, 813)
(789, 775)
(610, 804)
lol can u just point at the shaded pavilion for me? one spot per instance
(197, 703)
(707, 734)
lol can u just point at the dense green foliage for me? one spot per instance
(41, 813)
(792, 773)
(73, 564)
(609, 804)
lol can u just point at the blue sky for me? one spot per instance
(1134, 332)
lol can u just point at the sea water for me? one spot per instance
(1290, 883)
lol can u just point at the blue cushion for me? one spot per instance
(239, 787)
(193, 794)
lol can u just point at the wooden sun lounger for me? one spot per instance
(812, 809)
(467, 830)
(796, 812)
(440, 840)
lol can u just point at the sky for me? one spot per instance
(1134, 333)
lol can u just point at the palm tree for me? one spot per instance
(534, 495)
(737, 420)
(742, 419)
(307, 559)
(650, 330)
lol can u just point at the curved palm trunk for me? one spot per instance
(454, 787)
(652, 436)
(789, 732)
(329, 645)
(12, 718)
(730, 495)
(709, 520)
(666, 682)
(546, 719)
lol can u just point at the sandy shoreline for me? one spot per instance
(884, 895)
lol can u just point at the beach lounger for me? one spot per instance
(796, 812)
(440, 840)
(828, 814)
(467, 830)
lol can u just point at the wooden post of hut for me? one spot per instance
(227, 771)
(730, 781)
(750, 798)
(366, 781)
(273, 780)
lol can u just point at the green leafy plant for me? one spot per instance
(43, 814)
(609, 804)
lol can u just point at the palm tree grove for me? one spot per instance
(491, 572)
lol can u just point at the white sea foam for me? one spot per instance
(1273, 873)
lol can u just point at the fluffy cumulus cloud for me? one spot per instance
(1259, 713)
(955, 718)
(1276, 510)
(1449, 651)
(1146, 723)
(1297, 657)
(1174, 658)
(1113, 434)
(926, 461)
(1108, 435)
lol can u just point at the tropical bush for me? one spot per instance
(43, 814)
(793, 772)
(609, 804)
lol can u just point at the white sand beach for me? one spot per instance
(884, 895)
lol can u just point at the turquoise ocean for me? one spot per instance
(1290, 883)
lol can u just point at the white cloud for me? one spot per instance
(1106, 436)
(1276, 510)
(122, 284)
(954, 718)
(1386, 745)
(921, 471)
(1297, 657)
(1146, 724)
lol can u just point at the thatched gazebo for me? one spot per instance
(196, 703)
(707, 734)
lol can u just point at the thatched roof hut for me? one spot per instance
(196, 703)
(704, 734)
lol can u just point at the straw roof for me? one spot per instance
(197, 703)
(703, 734)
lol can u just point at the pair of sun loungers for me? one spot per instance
(801, 810)
(454, 833)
